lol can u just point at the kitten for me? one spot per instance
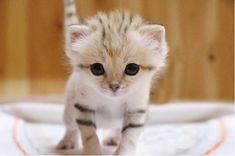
(115, 57)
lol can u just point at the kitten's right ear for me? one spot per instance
(155, 31)
(74, 36)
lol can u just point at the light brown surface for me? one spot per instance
(200, 35)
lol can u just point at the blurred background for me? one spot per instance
(200, 34)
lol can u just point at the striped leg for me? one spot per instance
(70, 140)
(133, 125)
(88, 130)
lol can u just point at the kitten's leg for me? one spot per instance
(87, 128)
(132, 127)
(113, 139)
(70, 139)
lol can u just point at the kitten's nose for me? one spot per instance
(114, 87)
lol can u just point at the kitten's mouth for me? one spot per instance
(116, 93)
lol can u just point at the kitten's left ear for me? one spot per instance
(74, 36)
(155, 31)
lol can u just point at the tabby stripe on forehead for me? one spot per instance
(109, 27)
(125, 29)
(123, 17)
(131, 18)
(83, 108)
(85, 122)
(100, 20)
(103, 33)
(132, 125)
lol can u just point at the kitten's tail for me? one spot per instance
(70, 17)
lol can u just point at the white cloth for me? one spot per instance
(173, 129)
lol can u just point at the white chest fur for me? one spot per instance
(109, 111)
(110, 114)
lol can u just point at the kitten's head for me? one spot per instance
(117, 53)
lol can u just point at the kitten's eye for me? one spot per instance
(97, 69)
(132, 69)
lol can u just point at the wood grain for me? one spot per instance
(2, 45)
(200, 36)
(15, 48)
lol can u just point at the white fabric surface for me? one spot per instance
(174, 129)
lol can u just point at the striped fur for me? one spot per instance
(83, 108)
(131, 125)
(85, 122)
(114, 27)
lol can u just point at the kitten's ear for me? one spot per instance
(155, 31)
(74, 36)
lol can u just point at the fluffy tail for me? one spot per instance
(70, 16)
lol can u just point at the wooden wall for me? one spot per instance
(199, 32)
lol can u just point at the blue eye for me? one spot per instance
(97, 69)
(132, 69)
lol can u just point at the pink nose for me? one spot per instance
(114, 87)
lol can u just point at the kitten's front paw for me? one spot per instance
(112, 141)
(67, 144)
